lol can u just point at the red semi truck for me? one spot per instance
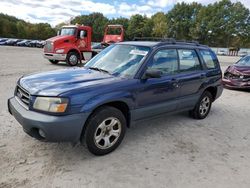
(73, 43)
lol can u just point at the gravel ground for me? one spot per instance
(172, 151)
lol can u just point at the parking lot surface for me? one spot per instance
(170, 151)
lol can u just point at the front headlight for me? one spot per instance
(59, 51)
(51, 104)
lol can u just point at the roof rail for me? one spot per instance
(166, 40)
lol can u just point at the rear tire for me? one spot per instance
(105, 130)
(203, 106)
(72, 58)
(54, 61)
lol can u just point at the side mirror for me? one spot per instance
(152, 74)
(58, 32)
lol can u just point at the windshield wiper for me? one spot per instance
(99, 69)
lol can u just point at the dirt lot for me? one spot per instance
(172, 151)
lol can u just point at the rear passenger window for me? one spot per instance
(165, 61)
(188, 60)
(209, 59)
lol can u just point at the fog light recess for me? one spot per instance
(41, 133)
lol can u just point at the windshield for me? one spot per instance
(245, 61)
(114, 31)
(67, 31)
(119, 60)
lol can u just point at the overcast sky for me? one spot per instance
(57, 11)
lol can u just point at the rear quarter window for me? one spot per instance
(209, 58)
(189, 60)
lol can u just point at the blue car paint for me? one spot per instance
(56, 128)
(88, 89)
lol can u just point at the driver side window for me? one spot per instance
(82, 34)
(165, 61)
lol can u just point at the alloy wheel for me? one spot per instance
(204, 105)
(107, 133)
(73, 59)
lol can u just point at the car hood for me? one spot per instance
(239, 70)
(54, 83)
(61, 38)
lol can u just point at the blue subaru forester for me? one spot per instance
(126, 82)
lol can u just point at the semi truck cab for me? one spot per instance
(72, 44)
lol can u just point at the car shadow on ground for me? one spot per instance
(162, 136)
(164, 126)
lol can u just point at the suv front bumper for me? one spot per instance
(52, 56)
(66, 128)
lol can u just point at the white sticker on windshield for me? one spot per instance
(138, 52)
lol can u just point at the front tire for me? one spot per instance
(72, 58)
(203, 106)
(105, 130)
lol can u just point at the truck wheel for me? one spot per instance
(104, 130)
(203, 106)
(72, 58)
(53, 61)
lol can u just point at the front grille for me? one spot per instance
(231, 76)
(246, 77)
(23, 96)
(48, 47)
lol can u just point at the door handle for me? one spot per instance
(175, 82)
(203, 76)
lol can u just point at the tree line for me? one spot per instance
(11, 27)
(221, 24)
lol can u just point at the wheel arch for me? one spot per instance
(120, 105)
(212, 90)
(75, 50)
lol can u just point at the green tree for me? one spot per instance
(223, 24)
(181, 20)
(159, 25)
(136, 26)
(16, 28)
(21, 29)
